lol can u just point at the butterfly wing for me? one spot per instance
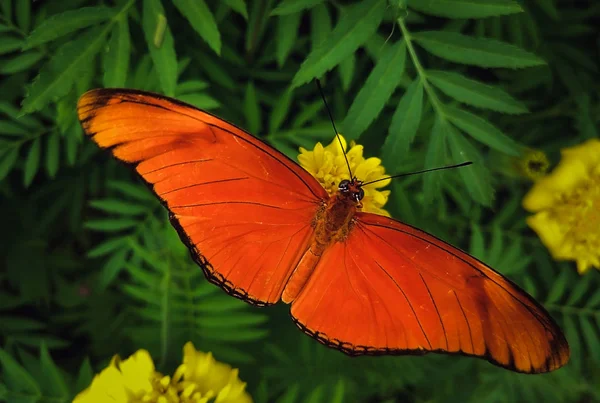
(243, 208)
(393, 289)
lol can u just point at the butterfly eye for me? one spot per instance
(344, 185)
(360, 194)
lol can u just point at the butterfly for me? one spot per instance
(265, 230)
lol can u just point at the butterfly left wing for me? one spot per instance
(243, 208)
(393, 289)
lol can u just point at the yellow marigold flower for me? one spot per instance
(566, 204)
(200, 379)
(328, 165)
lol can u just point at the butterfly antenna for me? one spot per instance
(333, 124)
(463, 164)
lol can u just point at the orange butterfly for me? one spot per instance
(265, 230)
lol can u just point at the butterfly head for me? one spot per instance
(352, 189)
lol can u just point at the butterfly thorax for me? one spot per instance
(332, 223)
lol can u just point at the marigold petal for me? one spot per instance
(548, 230)
(108, 385)
(587, 153)
(565, 177)
(137, 371)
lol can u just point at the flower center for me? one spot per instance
(579, 213)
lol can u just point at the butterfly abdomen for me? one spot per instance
(332, 224)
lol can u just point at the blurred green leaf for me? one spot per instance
(59, 25)
(356, 25)
(474, 93)
(8, 159)
(482, 130)
(380, 85)
(239, 6)
(161, 45)
(476, 177)
(482, 52)
(32, 162)
(320, 25)
(280, 111)
(52, 153)
(466, 8)
(202, 20)
(53, 383)
(9, 44)
(20, 62)
(57, 76)
(23, 15)
(116, 59)
(252, 109)
(286, 7)
(287, 33)
(346, 70)
(16, 378)
(405, 123)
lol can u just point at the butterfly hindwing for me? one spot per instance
(393, 289)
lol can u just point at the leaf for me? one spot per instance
(128, 189)
(119, 207)
(20, 62)
(53, 153)
(160, 44)
(57, 76)
(23, 15)
(405, 123)
(53, 379)
(10, 44)
(111, 225)
(7, 161)
(435, 157)
(293, 6)
(202, 20)
(474, 93)
(84, 377)
(346, 70)
(280, 111)
(112, 268)
(558, 288)
(201, 101)
(15, 376)
(320, 25)
(476, 176)
(252, 109)
(482, 52)
(380, 85)
(287, 34)
(32, 162)
(12, 129)
(482, 131)
(356, 25)
(191, 86)
(107, 247)
(239, 6)
(58, 25)
(466, 8)
(116, 60)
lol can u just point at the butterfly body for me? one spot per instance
(332, 223)
(265, 230)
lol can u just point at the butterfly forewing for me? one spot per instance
(243, 208)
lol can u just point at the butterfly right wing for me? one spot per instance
(244, 209)
(393, 289)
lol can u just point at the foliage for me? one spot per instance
(94, 269)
